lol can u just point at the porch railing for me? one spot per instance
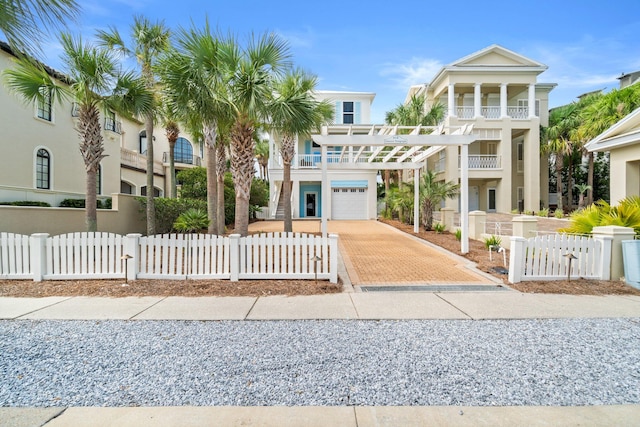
(483, 161)
(139, 161)
(184, 159)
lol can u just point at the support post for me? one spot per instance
(525, 226)
(132, 248)
(618, 234)
(464, 198)
(325, 191)
(516, 259)
(416, 200)
(38, 255)
(234, 257)
(333, 251)
(477, 223)
(446, 216)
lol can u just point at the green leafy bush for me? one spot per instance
(558, 213)
(625, 214)
(492, 240)
(191, 221)
(168, 210)
(543, 212)
(80, 203)
(458, 234)
(27, 203)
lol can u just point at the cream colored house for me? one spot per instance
(487, 96)
(41, 159)
(496, 91)
(622, 141)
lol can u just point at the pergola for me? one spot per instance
(383, 147)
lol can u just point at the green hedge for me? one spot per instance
(80, 203)
(168, 210)
(27, 203)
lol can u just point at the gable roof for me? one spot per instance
(625, 132)
(495, 59)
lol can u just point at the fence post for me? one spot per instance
(618, 234)
(604, 263)
(234, 257)
(38, 255)
(477, 221)
(516, 259)
(333, 250)
(446, 217)
(132, 248)
(524, 226)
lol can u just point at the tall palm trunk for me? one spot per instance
(172, 132)
(210, 131)
(151, 207)
(287, 152)
(242, 170)
(221, 159)
(92, 150)
(590, 179)
(559, 163)
(570, 184)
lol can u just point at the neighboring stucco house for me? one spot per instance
(486, 94)
(622, 141)
(41, 159)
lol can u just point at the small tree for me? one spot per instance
(582, 190)
(432, 193)
(191, 221)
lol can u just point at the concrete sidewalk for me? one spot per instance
(374, 305)
(310, 416)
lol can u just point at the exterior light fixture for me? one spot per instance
(126, 258)
(570, 256)
(315, 260)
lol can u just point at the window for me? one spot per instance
(183, 152)
(43, 169)
(143, 142)
(126, 188)
(520, 154)
(110, 122)
(44, 105)
(347, 112)
(156, 191)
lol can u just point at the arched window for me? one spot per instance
(126, 188)
(43, 169)
(183, 151)
(143, 142)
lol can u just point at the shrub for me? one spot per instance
(439, 227)
(27, 203)
(168, 210)
(73, 203)
(625, 214)
(191, 221)
(558, 213)
(543, 212)
(492, 240)
(106, 204)
(458, 234)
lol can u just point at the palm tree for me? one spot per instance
(582, 189)
(149, 41)
(96, 84)
(562, 123)
(20, 21)
(172, 130)
(196, 78)
(263, 60)
(294, 112)
(432, 193)
(262, 156)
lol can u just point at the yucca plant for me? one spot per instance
(439, 227)
(492, 241)
(191, 221)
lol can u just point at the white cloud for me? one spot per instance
(299, 39)
(416, 71)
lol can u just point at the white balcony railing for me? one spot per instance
(468, 113)
(483, 161)
(518, 112)
(490, 112)
(139, 161)
(465, 112)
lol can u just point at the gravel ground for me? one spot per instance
(148, 363)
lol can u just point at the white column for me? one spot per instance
(464, 198)
(326, 194)
(132, 248)
(38, 255)
(416, 200)
(451, 100)
(477, 100)
(503, 100)
(532, 101)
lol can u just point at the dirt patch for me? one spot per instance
(480, 255)
(186, 288)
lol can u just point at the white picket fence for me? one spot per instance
(170, 256)
(14, 256)
(546, 257)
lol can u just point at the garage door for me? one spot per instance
(348, 203)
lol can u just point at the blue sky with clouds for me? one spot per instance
(386, 46)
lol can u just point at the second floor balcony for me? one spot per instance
(135, 160)
(483, 162)
(493, 113)
(182, 159)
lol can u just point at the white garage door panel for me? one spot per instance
(348, 203)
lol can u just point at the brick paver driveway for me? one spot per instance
(375, 253)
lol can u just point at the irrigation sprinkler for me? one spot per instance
(570, 256)
(126, 259)
(315, 260)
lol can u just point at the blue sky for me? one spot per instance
(385, 46)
